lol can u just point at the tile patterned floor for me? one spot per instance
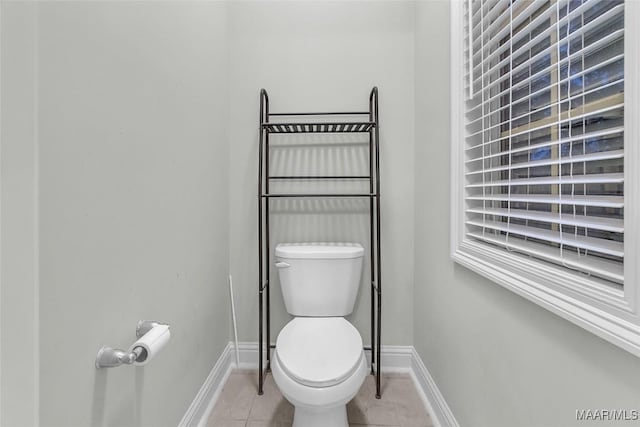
(240, 406)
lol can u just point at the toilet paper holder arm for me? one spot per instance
(109, 357)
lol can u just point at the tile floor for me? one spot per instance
(240, 406)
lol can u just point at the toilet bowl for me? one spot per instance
(319, 365)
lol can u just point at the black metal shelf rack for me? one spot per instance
(369, 123)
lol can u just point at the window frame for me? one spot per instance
(609, 313)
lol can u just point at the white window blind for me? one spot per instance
(544, 126)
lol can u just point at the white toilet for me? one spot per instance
(319, 363)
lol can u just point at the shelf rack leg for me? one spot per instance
(379, 269)
(267, 246)
(372, 251)
(260, 295)
(264, 102)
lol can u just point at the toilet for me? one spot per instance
(319, 363)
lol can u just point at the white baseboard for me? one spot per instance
(394, 359)
(248, 354)
(434, 401)
(202, 405)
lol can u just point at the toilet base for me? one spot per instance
(331, 417)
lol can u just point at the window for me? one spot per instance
(543, 155)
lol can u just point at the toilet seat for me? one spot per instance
(319, 351)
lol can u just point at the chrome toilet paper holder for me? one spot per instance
(109, 357)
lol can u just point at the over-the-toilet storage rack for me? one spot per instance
(289, 123)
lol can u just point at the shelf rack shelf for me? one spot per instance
(343, 127)
(368, 123)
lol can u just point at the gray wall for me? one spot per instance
(132, 167)
(18, 193)
(130, 202)
(323, 56)
(498, 359)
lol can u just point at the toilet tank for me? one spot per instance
(319, 279)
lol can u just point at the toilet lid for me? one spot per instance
(319, 351)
